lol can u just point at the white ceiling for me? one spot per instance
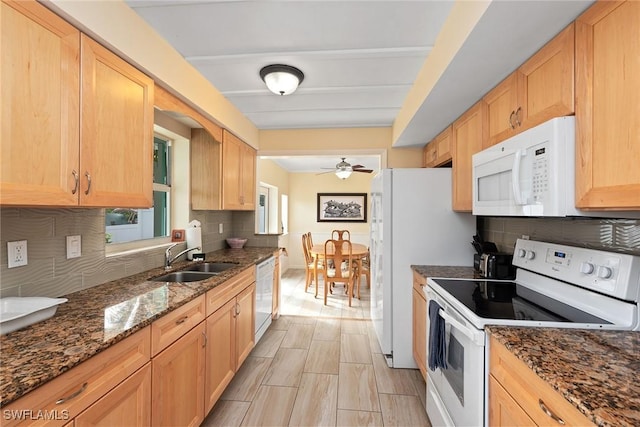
(360, 58)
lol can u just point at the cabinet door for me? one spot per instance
(607, 107)
(248, 164)
(117, 131)
(245, 323)
(430, 154)
(220, 365)
(503, 409)
(129, 404)
(275, 308)
(39, 94)
(469, 133)
(443, 147)
(178, 381)
(548, 88)
(502, 109)
(420, 331)
(231, 171)
(206, 164)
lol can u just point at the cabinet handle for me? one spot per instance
(204, 344)
(182, 320)
(76, 177)
(71, 396)
(88, 175)
(550, 414)
(237, 309)
(518, 113)
(511, 125)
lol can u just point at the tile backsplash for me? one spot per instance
(615, 235)
(50, 273)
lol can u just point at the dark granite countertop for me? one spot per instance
(595, 370)
(96, 318)
(452, 272)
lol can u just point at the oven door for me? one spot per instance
(455, 395)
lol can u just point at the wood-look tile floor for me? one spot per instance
(320, 366)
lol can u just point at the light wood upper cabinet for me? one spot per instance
(469, 133)
(117, 130)
(238, 173)
(77, 121)
(206, 164)
(541, 89)
(607, 107)
(438, 151)
(39, 94)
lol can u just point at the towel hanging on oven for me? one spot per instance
(437, 338)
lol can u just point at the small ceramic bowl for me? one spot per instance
(236, 242)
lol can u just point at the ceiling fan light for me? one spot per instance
(281, 79)
(343, 173)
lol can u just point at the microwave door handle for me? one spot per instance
(477, 337)
(515, 176)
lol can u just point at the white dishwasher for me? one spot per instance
(264, 295)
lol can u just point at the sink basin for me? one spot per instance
(184, 276)
(18, 312)
(211, 267)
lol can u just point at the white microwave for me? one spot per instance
(531, 174)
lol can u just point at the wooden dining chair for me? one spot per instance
(310, 267)
(343, 270)
(366, 267)
(340, 235)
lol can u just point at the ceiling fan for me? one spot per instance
(343, 169)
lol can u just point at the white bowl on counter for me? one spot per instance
(18, 312)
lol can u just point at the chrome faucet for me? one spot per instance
(168, 259)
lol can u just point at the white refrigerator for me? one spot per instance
(412, 223)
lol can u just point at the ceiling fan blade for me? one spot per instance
(322, 173)
(363, 170)
(357, 167)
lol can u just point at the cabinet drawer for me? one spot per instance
(64, 397)
(169, 328)
(218, 296)
(530, 391)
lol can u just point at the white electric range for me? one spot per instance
(556, 286)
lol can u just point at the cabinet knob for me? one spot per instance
(77, 179)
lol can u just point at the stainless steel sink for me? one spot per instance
(211, 267)
(184, 276)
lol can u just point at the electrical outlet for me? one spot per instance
(220, 228)
(74, 247)
(17, 253)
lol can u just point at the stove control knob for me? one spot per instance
(604, 272)
(521, 253)
(531, 254)
(587, 268)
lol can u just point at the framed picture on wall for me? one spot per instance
(342, 207)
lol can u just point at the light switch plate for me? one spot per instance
(220, 228)
(16, 253)
(74, 246)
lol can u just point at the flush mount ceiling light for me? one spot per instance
(281, 79)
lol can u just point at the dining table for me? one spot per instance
(358, 253)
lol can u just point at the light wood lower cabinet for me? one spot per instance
(68, 395)
(129, 404)
(221, 352)
(420, 323)
(245, 323)
(275, 307)
(517, 396)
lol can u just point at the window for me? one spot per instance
(126, 225)
(285, 214)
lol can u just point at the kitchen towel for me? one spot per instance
(437, 338)
(194, 237)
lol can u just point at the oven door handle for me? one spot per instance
(477, 337)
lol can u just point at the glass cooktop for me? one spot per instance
(511, 301)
